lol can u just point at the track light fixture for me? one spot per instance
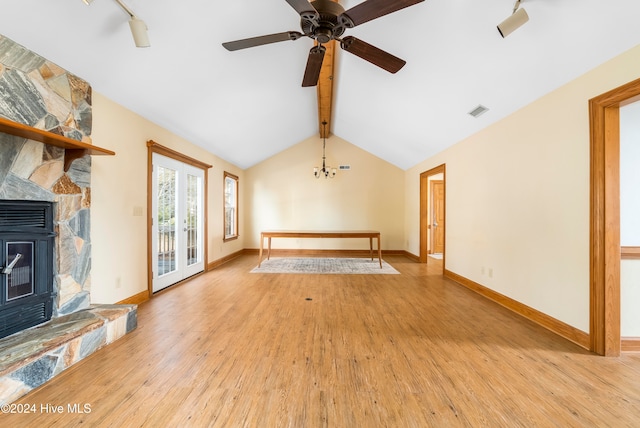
(137, 26)
(515, 21)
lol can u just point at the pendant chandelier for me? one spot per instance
(327, 171)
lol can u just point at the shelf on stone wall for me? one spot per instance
(74, 149)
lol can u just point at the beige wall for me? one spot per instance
(518, 198)
(119, 187)
(282, 193)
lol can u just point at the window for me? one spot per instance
(230, 206)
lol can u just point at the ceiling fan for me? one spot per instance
(326, 20)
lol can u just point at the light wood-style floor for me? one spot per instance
(231, 348)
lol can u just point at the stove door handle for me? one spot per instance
(7, 270)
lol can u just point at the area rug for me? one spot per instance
(324, 265)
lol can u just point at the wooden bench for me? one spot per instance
(371, 234)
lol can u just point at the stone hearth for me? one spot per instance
(33, 357)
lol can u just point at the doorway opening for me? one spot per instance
(604, 118)
(629, 227)
(433, 214)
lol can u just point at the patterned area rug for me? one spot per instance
(324, 265)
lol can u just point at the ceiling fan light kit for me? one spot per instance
(326, 20)
(517, 19)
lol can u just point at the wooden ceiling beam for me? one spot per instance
(325, 89)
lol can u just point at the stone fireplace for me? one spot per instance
(41, 95)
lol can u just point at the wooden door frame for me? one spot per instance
(604, 239)
(424, 220)
(153, 147)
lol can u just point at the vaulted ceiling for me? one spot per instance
(248, 105)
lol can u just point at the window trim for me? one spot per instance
(226, 175)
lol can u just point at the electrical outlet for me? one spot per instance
(118, 282)
(490, 272)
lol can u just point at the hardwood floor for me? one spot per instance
(231, 348)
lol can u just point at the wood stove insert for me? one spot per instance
(26, 264)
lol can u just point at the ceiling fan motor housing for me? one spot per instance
(327, 26)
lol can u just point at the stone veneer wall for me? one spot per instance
(38, 93)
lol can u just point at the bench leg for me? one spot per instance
(371, 247)
(260, 255)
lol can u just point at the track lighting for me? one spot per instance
(515, 21)
(137, 26)
(139, 32)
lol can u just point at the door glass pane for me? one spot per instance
(193, 220)
(167, 182)
(20, 276)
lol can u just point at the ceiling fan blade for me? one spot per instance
(372, 54)
(304, 9)
(261, 40)
(314, 65)
(372, 9)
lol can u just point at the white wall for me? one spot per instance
(630, 217)
(630, 298)
(630, 175)
(518, 198)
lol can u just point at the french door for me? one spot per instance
(177, 221)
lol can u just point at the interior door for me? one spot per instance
(437, 216)
(178, 221)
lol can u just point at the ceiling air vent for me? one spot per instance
(344, 167)
(478, 111)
